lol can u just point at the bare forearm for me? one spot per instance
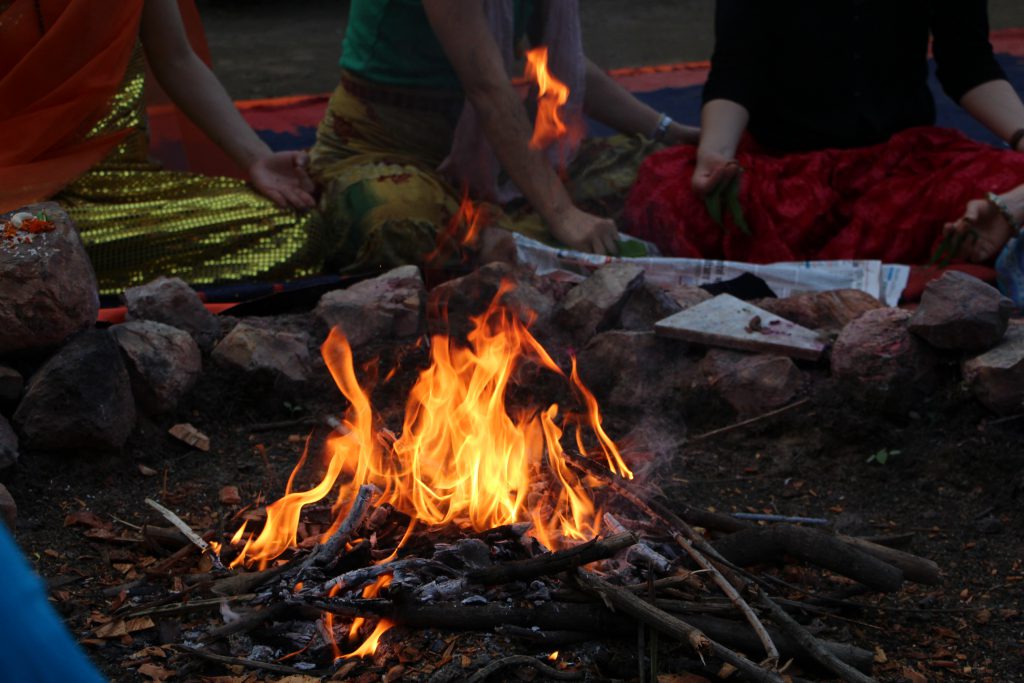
(194, 88)
(722, 126)
(614, 106)
(998, 107)
(1015, 202)
(508, 129)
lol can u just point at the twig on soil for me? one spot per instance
(187, 530)
(810, 643)
(524, 660)
(249, 663)
(784, 519)
(747, 423)
(672, 626)
(284, 424)
(184, 607)
(690, 542)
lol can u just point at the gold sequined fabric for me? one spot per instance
(138, 221)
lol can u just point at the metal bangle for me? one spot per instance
(1004, 209)
(662, 128)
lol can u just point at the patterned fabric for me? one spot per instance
(138, 221)
(377, 164)
(886, 202)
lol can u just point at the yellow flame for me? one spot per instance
(464, 455)
(552, 96)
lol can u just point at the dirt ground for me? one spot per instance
(953, 482)
(261, 50)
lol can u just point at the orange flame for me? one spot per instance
(552, 96)
(462, 231)
(463, 455)
(369, 646)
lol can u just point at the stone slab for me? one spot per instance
(730, 323)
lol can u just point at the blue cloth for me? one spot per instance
(35, 647)
(1010, 271)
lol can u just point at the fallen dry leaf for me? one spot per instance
(190, 435)
(681, 678)
(85, 518)
(154, 672)
(913, 675)
(147, 471)
(116, 629)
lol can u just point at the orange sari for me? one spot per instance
(61, 63)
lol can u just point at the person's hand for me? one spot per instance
(679, 134)
(981, 232)
(282, 177)
(713, 170)
(585, 232)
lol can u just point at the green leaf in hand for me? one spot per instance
(632, 249)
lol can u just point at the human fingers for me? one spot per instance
(610, 238)
(275, 196)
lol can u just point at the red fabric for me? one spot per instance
(886, 202)
(54, 86)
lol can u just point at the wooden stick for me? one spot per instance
(691, 543)
(250, 663)
(824, 550)
(356, 514)
(187, 530)
(746, 423)
(553, 563)
(185, 607)
(672, 626)
(914, 568)
(524, 660)
(248, 622)
(810, 643)
(641, 549)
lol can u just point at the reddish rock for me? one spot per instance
(265, 354)
(686, 296)
(8, 508)
(959, 312)
(636, 371)
(827, 312)
(452, 305)
(877, 362)
(81, 399)
(387, 307)
(163, 363)
(997, 376)
(229, 496)
(172, 302)
(49, 287)
(752, 384)
(594, 304)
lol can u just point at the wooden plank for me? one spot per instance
(730, 323)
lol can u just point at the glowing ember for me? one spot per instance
(553, 657)
(550, 126)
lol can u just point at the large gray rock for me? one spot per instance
(645, 306)
(636, 371)
(877, 362)
(172, 302)
(11, 384)
(264, 354)
(387, 307)
(163, 363)
(8, 508)
(752, 384)
(595, 303)
(8, 444)
(49, 287)
(997, 376)
(827, 312)
(80, 399)
(959, 312)
(452, 305)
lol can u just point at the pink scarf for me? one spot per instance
(472, 163)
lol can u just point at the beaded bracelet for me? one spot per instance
(662, 128)
(1004, 209)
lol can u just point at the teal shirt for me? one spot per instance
(390, 42)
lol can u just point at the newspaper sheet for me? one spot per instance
(885, 282)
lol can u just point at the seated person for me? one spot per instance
(426, 85)
(841, 157)
(72, 129)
